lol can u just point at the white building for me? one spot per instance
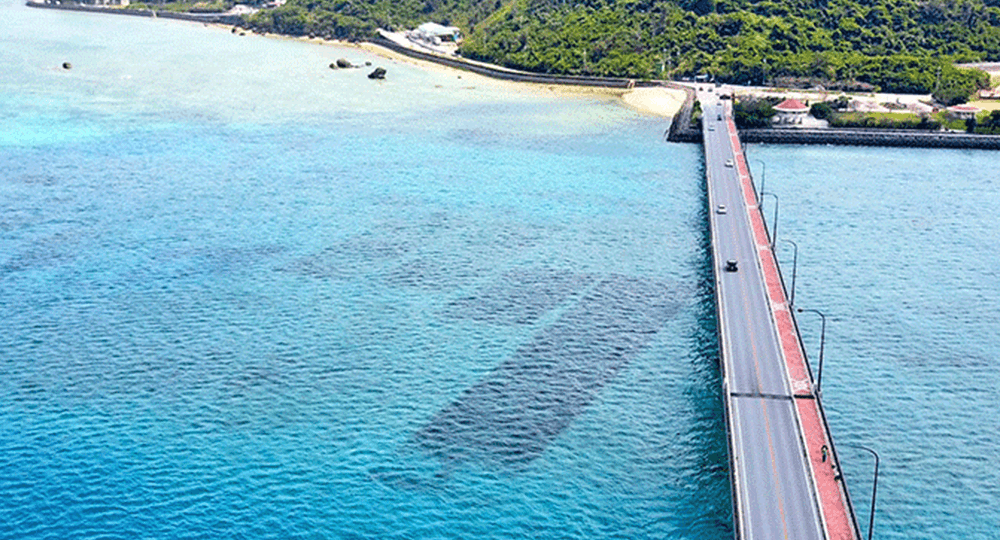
(437, 34)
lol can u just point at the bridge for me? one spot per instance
(784, 470)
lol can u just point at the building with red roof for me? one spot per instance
(790, 111)
(963, 112)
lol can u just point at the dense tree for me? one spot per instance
(753, 113)
(891, 45)
(993, 120)
(821, 110)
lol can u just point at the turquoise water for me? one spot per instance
(247, 296)
(898, 248)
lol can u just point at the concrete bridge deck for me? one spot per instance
(784, 470)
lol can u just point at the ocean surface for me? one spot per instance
(247, 296)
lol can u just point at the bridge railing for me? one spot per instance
(817, 395)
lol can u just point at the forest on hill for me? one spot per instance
(907, 46)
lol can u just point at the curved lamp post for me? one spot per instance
(871, 515)
(763, 176)
(822, 340)
(795, 266)
(774, 232)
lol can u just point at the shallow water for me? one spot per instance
(898, 250)
(246, 295)
(287, 301)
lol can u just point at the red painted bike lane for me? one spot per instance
(826, 473)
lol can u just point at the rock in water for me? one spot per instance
(333, 65)
(379, 73)
(343, 63)
(67, 65)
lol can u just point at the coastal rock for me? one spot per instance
(378, 74)
(67, 65)
(368, 63)
(343, 63)
(333, 65)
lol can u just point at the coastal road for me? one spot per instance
(774, 494)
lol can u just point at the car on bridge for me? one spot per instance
(729, 163)
(731, 265)
(721, 209)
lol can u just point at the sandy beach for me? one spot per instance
(655, 101)
(664, 102)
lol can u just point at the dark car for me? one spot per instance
(731, 265)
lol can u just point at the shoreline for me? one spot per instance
(658, 101)
(665, 99)
(658, 98)
(652, 100)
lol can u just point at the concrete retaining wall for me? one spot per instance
(859, 137)
(680, 127)
(498, 72)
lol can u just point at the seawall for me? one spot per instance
(515, 75)
(872, 137)
(680, 128)
(679, 132)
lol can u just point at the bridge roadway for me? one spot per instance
(775, 494)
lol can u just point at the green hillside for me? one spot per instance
(892, 45)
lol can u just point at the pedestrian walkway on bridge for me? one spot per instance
(785, 473)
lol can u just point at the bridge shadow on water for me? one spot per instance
(519, 408)
(599, 324)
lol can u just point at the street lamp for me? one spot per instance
(763, 176)
(774, 232)
(871, 515)
(822, 340)
(795, 266)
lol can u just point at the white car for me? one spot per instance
(721, 209)
(729, 163)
